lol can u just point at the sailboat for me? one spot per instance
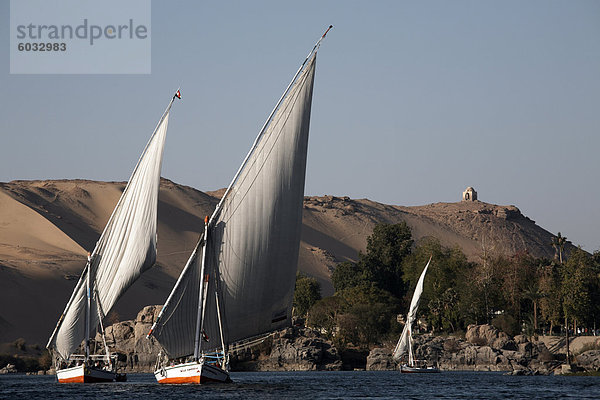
(126, 248)
(238, 283)
(405, 343)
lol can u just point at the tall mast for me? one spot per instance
(220, 323)
(201, 296)
(100, 318)
(88, 314)
(179, 282)
(411, 358)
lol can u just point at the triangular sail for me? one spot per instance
(175, 326)
(256, 238)
(404, 344)
(253, 242)
(126, 248)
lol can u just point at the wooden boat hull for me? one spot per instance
(83, 374)
(193, 372)
(405, 369)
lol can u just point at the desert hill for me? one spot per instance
(47, 227)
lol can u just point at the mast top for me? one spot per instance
(314, 49)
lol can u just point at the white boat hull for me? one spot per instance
(193, 372)
(405, 369)
(83, 374)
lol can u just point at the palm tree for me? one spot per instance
(534, 294)
(558, 242)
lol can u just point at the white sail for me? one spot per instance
(404, 343)
(126, 248)
(253, 242)
(257, 235)
(175, 327)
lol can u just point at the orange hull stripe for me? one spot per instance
(84, 379)
(184, 379)
(76, 379)
(188, 379)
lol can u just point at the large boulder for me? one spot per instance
(520, 339)
(589, 360)
(380, 359)
(292, 349)
(8, 369)
(482, 335)
(127, 339)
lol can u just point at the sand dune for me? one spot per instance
(47, 227)
(23, 231)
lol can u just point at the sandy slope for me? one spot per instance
(24, 232)
(46, 228)
(37, 262)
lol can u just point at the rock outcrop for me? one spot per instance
(8, 369)
(589, 360)
(128, 340)
(291, 349)
(489, 335)
(484, 348)
(380, 359)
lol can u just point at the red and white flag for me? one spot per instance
(178, 94)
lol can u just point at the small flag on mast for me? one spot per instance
(178, 94)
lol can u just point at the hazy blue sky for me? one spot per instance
(413, 101)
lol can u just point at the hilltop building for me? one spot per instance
(469, 194)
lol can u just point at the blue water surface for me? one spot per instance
(316, 385)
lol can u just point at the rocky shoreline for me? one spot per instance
(292, 349)
(484, 348)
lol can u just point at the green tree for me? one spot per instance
(595, 290)
(387, 247)
(551, 300)
(347, 275)
(578, 284)
(306, 294)
(367, 317)
(323, 315)
(445, 286)
(534, 294)
(381, 265)
(482, 296)
(558, 242)
(518, 274)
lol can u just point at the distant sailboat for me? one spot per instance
(239, 281)
(405, 343)
(126, 248)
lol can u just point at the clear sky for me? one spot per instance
(413, 102)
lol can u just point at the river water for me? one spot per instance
(316, 385)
